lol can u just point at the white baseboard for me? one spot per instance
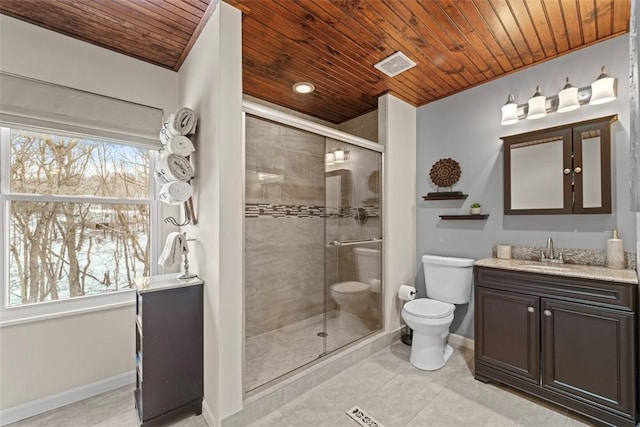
(456, 340)
(208, 415)
(39, 406)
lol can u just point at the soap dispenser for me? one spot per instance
(615, 252)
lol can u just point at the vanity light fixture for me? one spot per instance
(304, 87)
(568, 98)
(329, 159)
(509, 111)
(339, 155)
(601, 91)
(537, 107)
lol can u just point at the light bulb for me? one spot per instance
(603, 90)
(568, 98)
(509, 111)
(537, 108)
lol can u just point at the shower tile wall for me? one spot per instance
(362, 191)
(284, 280)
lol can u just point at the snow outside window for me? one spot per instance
(77, 216)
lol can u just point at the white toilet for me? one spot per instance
(354, 296)
(448, 281)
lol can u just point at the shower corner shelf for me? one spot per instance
(464, 217)
(435, 196)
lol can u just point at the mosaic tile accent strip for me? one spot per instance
(363, 418)
(259, 210)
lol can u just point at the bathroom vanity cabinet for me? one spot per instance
(572, 341)
(169, 348)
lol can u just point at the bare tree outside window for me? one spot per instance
(79, 217)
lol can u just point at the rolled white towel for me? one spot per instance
(174, 247)
(174, 168)
(160, 179)
(165, 135)
(175, 192)
(180, 145)
(182, 122)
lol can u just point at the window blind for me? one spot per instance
(39, 104)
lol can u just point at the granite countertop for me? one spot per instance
(568, 270)
(164, 282)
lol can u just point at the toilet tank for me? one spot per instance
(448, 279)
(369, 267)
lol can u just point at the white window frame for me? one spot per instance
(69, 306)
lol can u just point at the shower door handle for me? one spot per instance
(354, 242)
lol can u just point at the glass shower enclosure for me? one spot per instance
(313, 245)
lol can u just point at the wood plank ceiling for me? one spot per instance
(335, 43)
(157, 31)
(456, 43)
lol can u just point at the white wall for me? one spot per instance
(34, 52)
(397, 132)
(46, 357)
(211, 84)
(466, 127)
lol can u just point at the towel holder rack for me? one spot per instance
(185, 273)
(189, 215)
(187, 119)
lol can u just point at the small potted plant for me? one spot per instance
(475, 208)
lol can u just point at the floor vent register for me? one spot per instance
(363, 418)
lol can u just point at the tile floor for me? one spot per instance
(384, 385)
(396, 394)
(113, 409)
(269, 355)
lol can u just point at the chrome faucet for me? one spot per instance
(550, 248)
(550, 255)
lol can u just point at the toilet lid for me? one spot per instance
(428, 308)
(349, 287)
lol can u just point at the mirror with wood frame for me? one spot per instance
(560, 170)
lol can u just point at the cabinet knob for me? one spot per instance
(531, 309)
(547, 313)
(567, 171)
(578, 169)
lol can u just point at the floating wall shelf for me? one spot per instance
(459, 217)
(445, 197)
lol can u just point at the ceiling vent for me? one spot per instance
(395, 64)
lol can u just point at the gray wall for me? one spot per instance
(466, 127)
(364, 126)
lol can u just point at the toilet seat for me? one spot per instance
(428, 308)
(349, 287)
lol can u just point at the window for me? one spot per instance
(78, 216)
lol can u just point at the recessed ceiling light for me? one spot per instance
(303, 87)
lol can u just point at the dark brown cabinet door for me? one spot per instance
(587, 352)
(169, 344)
(561, 170)
(507, 332)
(592, 168)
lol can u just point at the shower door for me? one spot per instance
(353, 257)
(300, 209)
(284, 249)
